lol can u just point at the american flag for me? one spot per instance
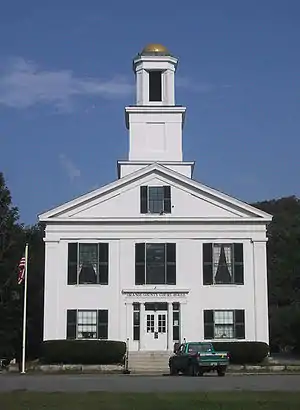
(22, 268)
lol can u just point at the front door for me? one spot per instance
(156, 330)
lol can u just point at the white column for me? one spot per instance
(139, 87)
(142, 325)
(170, 327)
(55, 325)
(168, 87)
(261, 291)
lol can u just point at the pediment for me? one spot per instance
(121, 200)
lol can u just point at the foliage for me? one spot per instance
(83, 351)
(11, 234)
(243, 352)
(284, 272)
(13, 237)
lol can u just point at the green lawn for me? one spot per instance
(153, 401)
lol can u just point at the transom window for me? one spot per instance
(224, 324)
(87, 263)
(155, 199)
(223, 263)
(155, 263)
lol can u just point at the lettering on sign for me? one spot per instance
(155, 294)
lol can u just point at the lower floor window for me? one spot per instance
(136, 321)
(224, 324)
(176, 322)
(87, 324)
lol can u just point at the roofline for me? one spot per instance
(161, 219)
(164, 170)
(163, 163)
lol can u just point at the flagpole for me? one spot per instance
(23, 371)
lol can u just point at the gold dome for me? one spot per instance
(155, 48)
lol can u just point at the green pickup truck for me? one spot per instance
(196, 358)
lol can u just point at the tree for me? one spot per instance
(284, 271)
(11, 234)
(34, 237)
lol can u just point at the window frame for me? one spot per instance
(102, 266)
(82, 311)
(237, 263)
(238, 325)
(72, 316)
(145, 200)
(170, 263)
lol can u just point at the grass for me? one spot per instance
(144, 401)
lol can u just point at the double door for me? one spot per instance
(156, 330)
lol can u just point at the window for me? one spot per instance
(87, 263)
(136, 321)
(87, 324)
(223, 264)
(176, 322)
(155, 199)
(155, 264)
(155, 85)
(162, 323)
(224, 324)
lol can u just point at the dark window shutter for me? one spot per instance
(238, 254)
(239, 321)
(171, 263)
(72, 263)
(167, 199)
(102, 324)
(144, 199)
(71, 324)
(139, 263)
(209, 324)
(103, 263)
(207, 264)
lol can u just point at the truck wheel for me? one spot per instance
(173, 371)
(221, 372)
(193, 370)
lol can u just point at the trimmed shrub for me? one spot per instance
(244, 352)
(83, 352)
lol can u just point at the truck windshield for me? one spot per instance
(200, 347)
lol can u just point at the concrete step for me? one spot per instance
(149, 361)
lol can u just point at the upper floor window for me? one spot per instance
(223, 263)
(155, 264)
(224, 324)
(87, 324)
(87, 263)
(155, 199)
(155, 85)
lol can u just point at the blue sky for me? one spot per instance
(66, 75)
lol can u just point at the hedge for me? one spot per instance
(83, 352)
(244, 352)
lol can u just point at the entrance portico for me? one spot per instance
(154, 318)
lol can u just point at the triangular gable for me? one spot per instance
(110, 194)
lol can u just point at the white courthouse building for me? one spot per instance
(156, 257)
